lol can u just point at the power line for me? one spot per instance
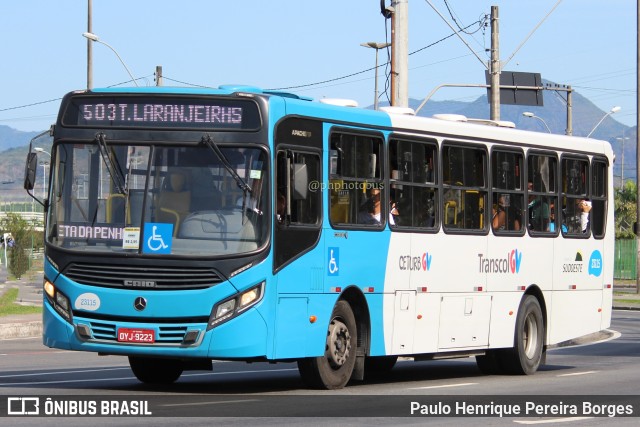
(373, 68)
(30, 105)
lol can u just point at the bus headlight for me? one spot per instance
(57, 300)
(235, 305)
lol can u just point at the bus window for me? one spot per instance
(464, 187)
(598, 198)
(413, 186)
(576, 205)
(508, 191)
(542, 194)
(293, 204)
(355, 181)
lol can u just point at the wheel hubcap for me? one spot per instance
(530, 337)
(338, 343)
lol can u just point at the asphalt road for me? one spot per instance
(240, 390)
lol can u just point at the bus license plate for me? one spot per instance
(136, 335)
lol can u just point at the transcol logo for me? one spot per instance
(415, 263)
(509, 264)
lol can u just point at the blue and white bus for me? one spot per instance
(191, 225)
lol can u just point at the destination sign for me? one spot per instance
(171, 112)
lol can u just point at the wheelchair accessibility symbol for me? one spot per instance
(334, 260)
(157, 238)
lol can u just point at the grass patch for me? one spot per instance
(627, 301)
(9, 306)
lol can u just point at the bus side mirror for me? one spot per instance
(30, 171)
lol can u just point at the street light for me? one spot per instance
(44, 175)
(44, 168)
(533, 116)
(612, 111)
(95, 38)
(377, 47)
(41, 150)
(621, 139)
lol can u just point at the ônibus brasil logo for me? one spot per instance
(509, 264)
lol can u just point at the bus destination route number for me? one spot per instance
(146, 336)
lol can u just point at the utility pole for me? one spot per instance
(494, 67)
(569, 111)
(638, 148)
(400, 54)
(159, 75)
(89, 47)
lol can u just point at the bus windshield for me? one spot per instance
(158, 199)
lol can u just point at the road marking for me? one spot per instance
(212, 403)
(66, 381)
(553, 420)
(443, 386)
(576, 374)
(39, 374)
(134, 378)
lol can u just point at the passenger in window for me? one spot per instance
(393, 212)
(538, 212)
(584, 207)
(370, 210)
(504, 212)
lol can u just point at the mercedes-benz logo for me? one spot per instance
(140, 304)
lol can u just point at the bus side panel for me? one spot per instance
(422, 272)
(399, 298)
(608, 255)
(359, 259)
(302, 323)
(577, 303)
(574, 314)
(525, 258)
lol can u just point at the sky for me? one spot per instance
(311, 48)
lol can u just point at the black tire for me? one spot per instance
(378, 365)
(527, 353)
(333, 370)
(155, 371)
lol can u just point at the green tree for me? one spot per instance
(23, 234)
(625, 210)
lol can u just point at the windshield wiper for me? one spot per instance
(209, 142)
(113, 168)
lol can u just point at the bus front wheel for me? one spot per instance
(527, 353)
(155, 371)
(333, 370)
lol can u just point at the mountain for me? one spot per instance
(14, 145)
(10, 138)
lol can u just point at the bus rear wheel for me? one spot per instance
(527, 353)
(333, 370)
(155, 371)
